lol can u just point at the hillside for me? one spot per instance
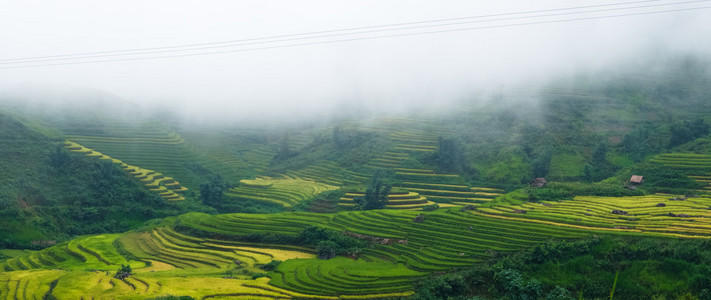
(384, 253)
(423, 205)
(48, 194)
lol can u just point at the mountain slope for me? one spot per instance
(48, 194)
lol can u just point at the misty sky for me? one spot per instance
(387, 72)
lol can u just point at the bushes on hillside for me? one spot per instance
(211, 191)
(329, 243)
(270, 266)
(567, 190)
(97, 197)
(687, 131)
(649, 268)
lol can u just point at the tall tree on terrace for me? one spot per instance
(375, 195)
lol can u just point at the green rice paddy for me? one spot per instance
(285, 191)
(655, 214)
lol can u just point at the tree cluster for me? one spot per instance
(211, 191)
(687, 131)
(376, 194)
(330, 243)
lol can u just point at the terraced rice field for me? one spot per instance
(414, 141)
(229, 154)
(206, 256)
(37, 284)
(388, 160)
(689, 161)
(452, 193)
(696, 166)
(655, 214)
(327, 172)
(705, 180)
(152, 146)
(91, 252)
(286, 192)
(446, 239)
(412, 137)
(408, 200)
(167, 187)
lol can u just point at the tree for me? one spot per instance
(637, 144)
(271, 266)
(211, 191)
(375, 195)
(283, 151)
(599, 167)
(59, 157)
(326, 249)
(515, 287)
(687, 131)
(312, 235)
(450, 156)
(541, 164)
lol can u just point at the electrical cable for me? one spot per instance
(146, 51)
(36, 59)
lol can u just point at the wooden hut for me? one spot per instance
(538, 182)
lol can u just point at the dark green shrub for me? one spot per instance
(430, 207)
(270, 266)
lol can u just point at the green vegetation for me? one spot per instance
(96, 196)
(670, 215)
(390, 248)
(123, 272)
(166, 187)
(594, 267)
(434, 205)
(396, 200)
(567, 190)
(376, 194)
(379, 252)
(285, 192)
(687, 132)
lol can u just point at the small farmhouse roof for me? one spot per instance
(636, 179)
(538, 182)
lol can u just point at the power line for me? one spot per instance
(334, 30)
(306, 36)
(354, 39)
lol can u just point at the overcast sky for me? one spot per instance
(391, 71)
